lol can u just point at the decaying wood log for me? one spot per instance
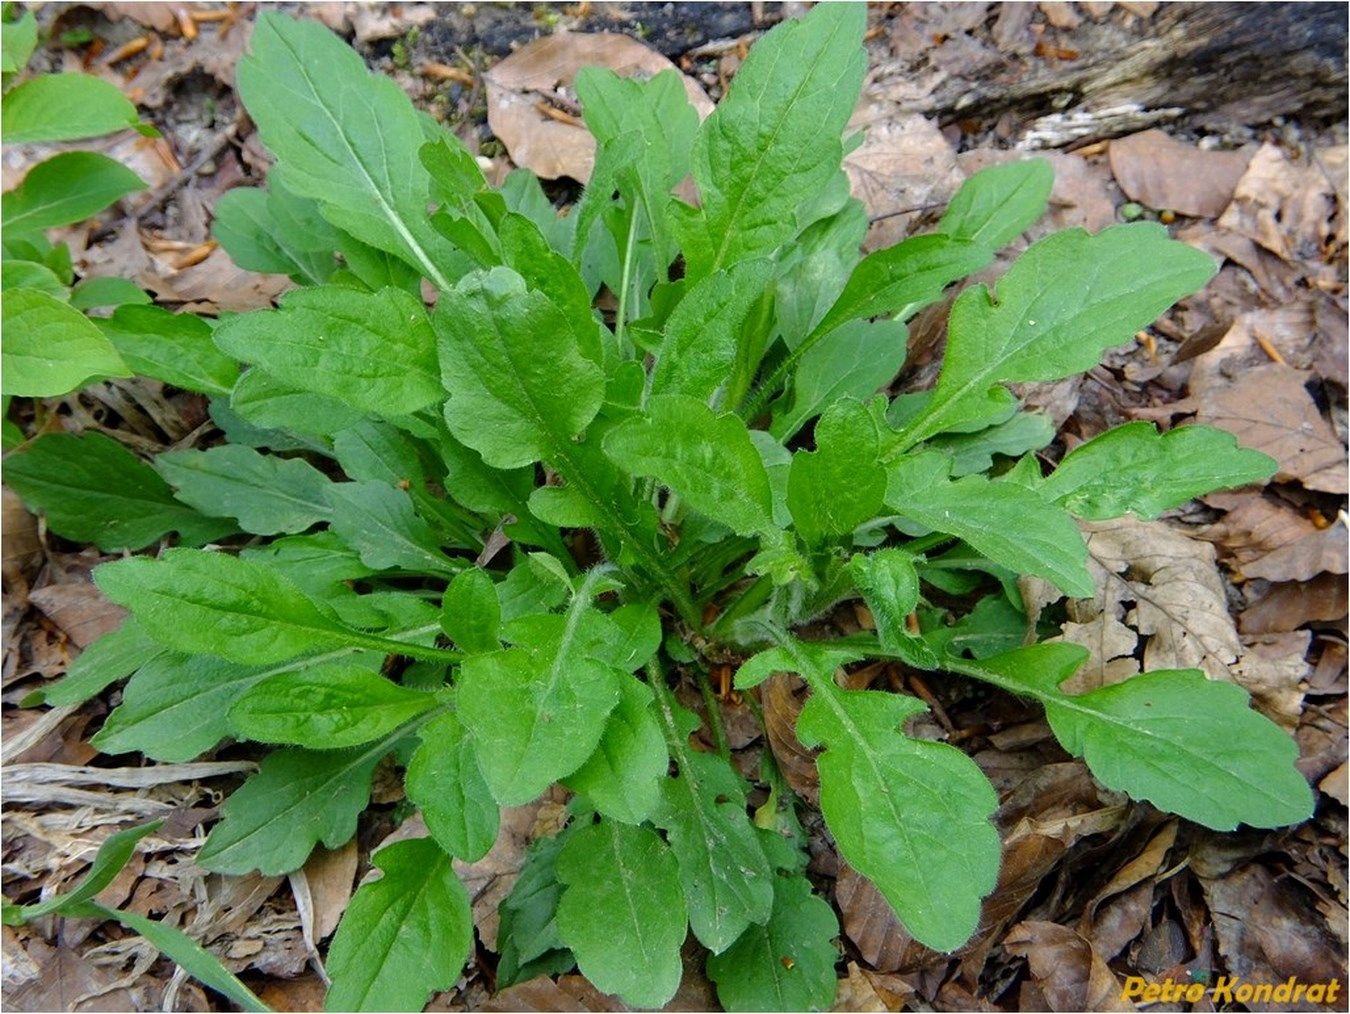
(1221, 64)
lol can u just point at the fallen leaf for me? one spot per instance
(1071, 975)
(1274, 669)
(1111, 926)
(330, 877)
(903, 166)
(1162, 586)
(1320, 551)
(869, 922)
(1268, 409)
(304, 993)
(22, 551)
(782, 697)
(541, 72)
(1163, 173)
(80, 610)
(1255, 526)
(1292, 604)
(856, 992)
(1336, 784)
(569, 993)
(1285, 207)
(1263, 931)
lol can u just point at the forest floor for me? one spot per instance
(1249, 585)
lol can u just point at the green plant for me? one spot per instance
(51, 347)
(543, 513)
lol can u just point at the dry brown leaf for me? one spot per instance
(1255, 526)
(1274, 669)
(868, 920)
(1318, 552)
(569, 993)
(782, 697)
(1262, 926)
(856, 992)
(541, 73)
(1288, 330)
(66, 982)
(21, 551)
(1162, 173)
(490, 879)
(80, 610)
(159, 16)
(903, 166)
(1292, 604)
(1268, 409)
(305, 993)
(1152, 580)
(1285, 207)
(1336, 784)
(1070, 973)
(330, 877)
(1120, 909)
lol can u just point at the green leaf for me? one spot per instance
(240, 610)
(96, 293)
(345, 138)
(379, 522)
(903, 278)
(910, 815)
(994, 206)
(702, 334)
(32, 275)
(274, 231)
(114, 656)
(889, 584)
(852, 361)
(621, 911)
(18, 39)
(724, 874)
(823, 658)
(787, 964)
(64, 107)
(181, 949)
(446, 784)
(471, 613)
(267, 495)
(50, 348)
(116, 850)
(374, 351)
(649, 127)
(537, 711)
(974, 452)
(1008, 523)
(176, 348)
(1133, 469)
(622, 777)
(176, 707)
(708, 459)
(297, 799)
(527, 935)
(92, 489)
(513, 399)
(774, 141)
(835, 488)
(404, 936)
(324, 707)
(264, 401)
(1064, 301)
(66, 188)
(1185, 743)
(379, 451)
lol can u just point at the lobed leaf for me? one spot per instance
(267, 495)
(92, 489)
(1134, 469)
(1185, 743)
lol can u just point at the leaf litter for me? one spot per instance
(1248, 585)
